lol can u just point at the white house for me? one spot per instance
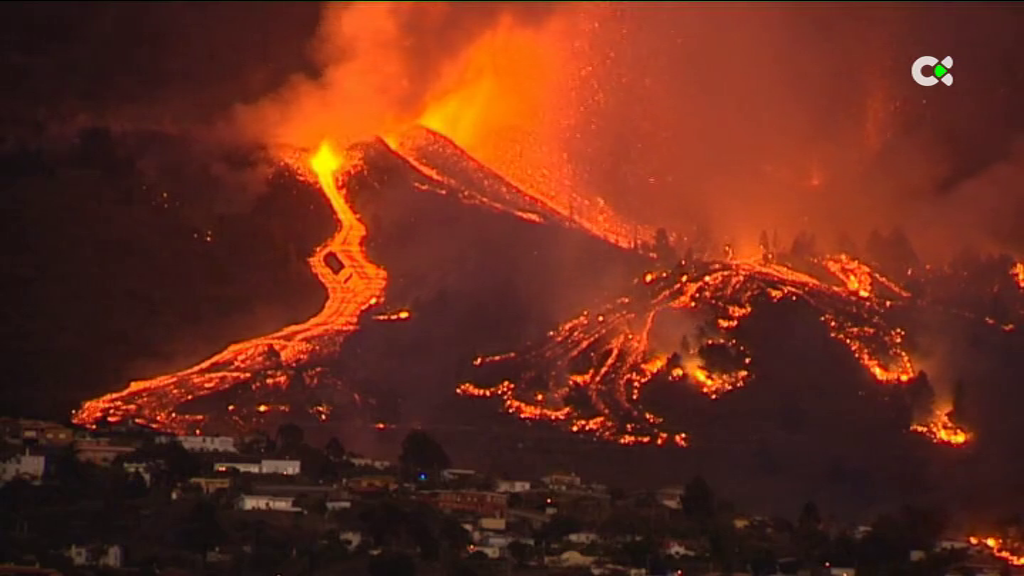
(671, 497)
(105, 556)
(861, 531)
(619, 570)
(952, 545)
(286, 467)
(259, 502)
(370, 463)
(143, 469)
(451, 474)
(492, 552)
(495, 524)
(677, 549)
(351, 539)
(582, 538)
(570, 558)
(339, 503)
(496, 540)
(512, 486)
(27, 466)
(562, 481)
(203, 443)
(243, 467)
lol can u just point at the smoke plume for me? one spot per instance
(377, 66)
(730, 119)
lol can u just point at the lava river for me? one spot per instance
(353, 284)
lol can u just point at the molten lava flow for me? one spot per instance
(1018, 274)
(941, 430)
(353, 283)
(996, 546)
(589, 374)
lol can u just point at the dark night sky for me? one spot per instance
(102, 57)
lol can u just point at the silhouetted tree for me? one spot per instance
(803, 245)
(69, 472)
(688, 255)
(15, 502)
(289, 437)
(384, 522)
(520, 552)
(201, 531)
(698, 500)
(959, 402)
(810, 518)
(334, 450)
(724, 546)
(845, 244)
(392, 564)
(135, 486)
(811, 539)
(902, 250)
(178, 463)
(421, 454)
(842, 550)
(311, 504)
(893, 252)
(663, 249)
(886, 549)
(875, 246)
(643, 553)
(921, 396)
(558, 527)
(767, 254)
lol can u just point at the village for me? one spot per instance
(125, 499)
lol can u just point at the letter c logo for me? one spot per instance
(940, 71)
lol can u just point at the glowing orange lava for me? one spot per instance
(351, 288)
(608, 357)
(996, 547)
(941, 430)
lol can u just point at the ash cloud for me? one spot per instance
(744, 118)
(375, 66)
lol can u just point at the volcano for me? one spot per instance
(470, 263)
(447, 286)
